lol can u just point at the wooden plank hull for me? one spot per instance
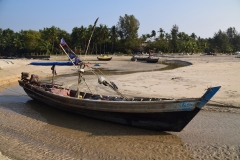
(164, 115)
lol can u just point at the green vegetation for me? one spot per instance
(120, 39)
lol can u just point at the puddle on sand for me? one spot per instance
(170, 64)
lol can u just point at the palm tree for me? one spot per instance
(96, 39)
(113, 36)
(105, 33)
(17, 42)
(6, 40)
(78, 37)
(50, 35)
(167, 38)
(100, 35)
(153, 34)
(193, 36)
(54, 35)
(174, 33)
(161, 33)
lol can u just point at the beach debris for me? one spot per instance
(97, 64)
(176, 78)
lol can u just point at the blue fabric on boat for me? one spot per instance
(59, 63)
(77, 60)
(71, 55)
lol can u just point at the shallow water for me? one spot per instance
(31, 130)
(170, 64)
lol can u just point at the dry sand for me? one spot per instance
(90, 139)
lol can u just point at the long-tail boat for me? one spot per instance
(161, 114)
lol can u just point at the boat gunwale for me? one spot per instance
(108, 107)
(163, 100)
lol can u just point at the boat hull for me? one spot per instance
(152, 60)
(166, 118)
(140, 58)
(104, 58)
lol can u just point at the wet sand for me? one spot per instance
(30, 130)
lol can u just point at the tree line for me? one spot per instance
(121, 38)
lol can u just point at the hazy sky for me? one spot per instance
(203, 17)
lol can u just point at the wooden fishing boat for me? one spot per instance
(104, 58)
(161, 114)
(152, 59)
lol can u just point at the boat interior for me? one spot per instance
(58, 89)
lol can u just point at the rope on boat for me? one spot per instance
(112, 85)
(78, 69)
(115, 86)
(13, 91)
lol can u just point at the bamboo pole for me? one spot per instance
(90, 37)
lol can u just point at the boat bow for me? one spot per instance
(208, 95)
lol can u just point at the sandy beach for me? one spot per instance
(90, 141)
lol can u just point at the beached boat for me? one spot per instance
(152, 59)
(104, 58)
(161, 114)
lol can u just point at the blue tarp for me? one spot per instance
(59, 63)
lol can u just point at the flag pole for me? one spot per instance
(91, 36)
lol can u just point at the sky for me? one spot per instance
(202, 17)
